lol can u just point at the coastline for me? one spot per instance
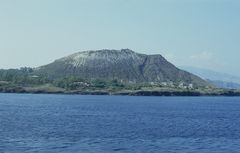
(227, 93)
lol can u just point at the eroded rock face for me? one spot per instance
(124, 64)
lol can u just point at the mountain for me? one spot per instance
(218, 79)
(125, 65)
(224, 84)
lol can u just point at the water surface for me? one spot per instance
(121, 124)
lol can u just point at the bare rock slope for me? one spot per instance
(125, 65)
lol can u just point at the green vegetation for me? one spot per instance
(25, 81)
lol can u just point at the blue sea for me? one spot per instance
(122, 124)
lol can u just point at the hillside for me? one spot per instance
(124, 65)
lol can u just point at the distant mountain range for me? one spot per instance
(218, 79)
(125, 65)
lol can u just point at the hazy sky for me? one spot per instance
(200, 33)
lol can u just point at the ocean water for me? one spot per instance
(121, 124)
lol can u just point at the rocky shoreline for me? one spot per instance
(126, 93)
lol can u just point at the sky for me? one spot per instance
(197, 33)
